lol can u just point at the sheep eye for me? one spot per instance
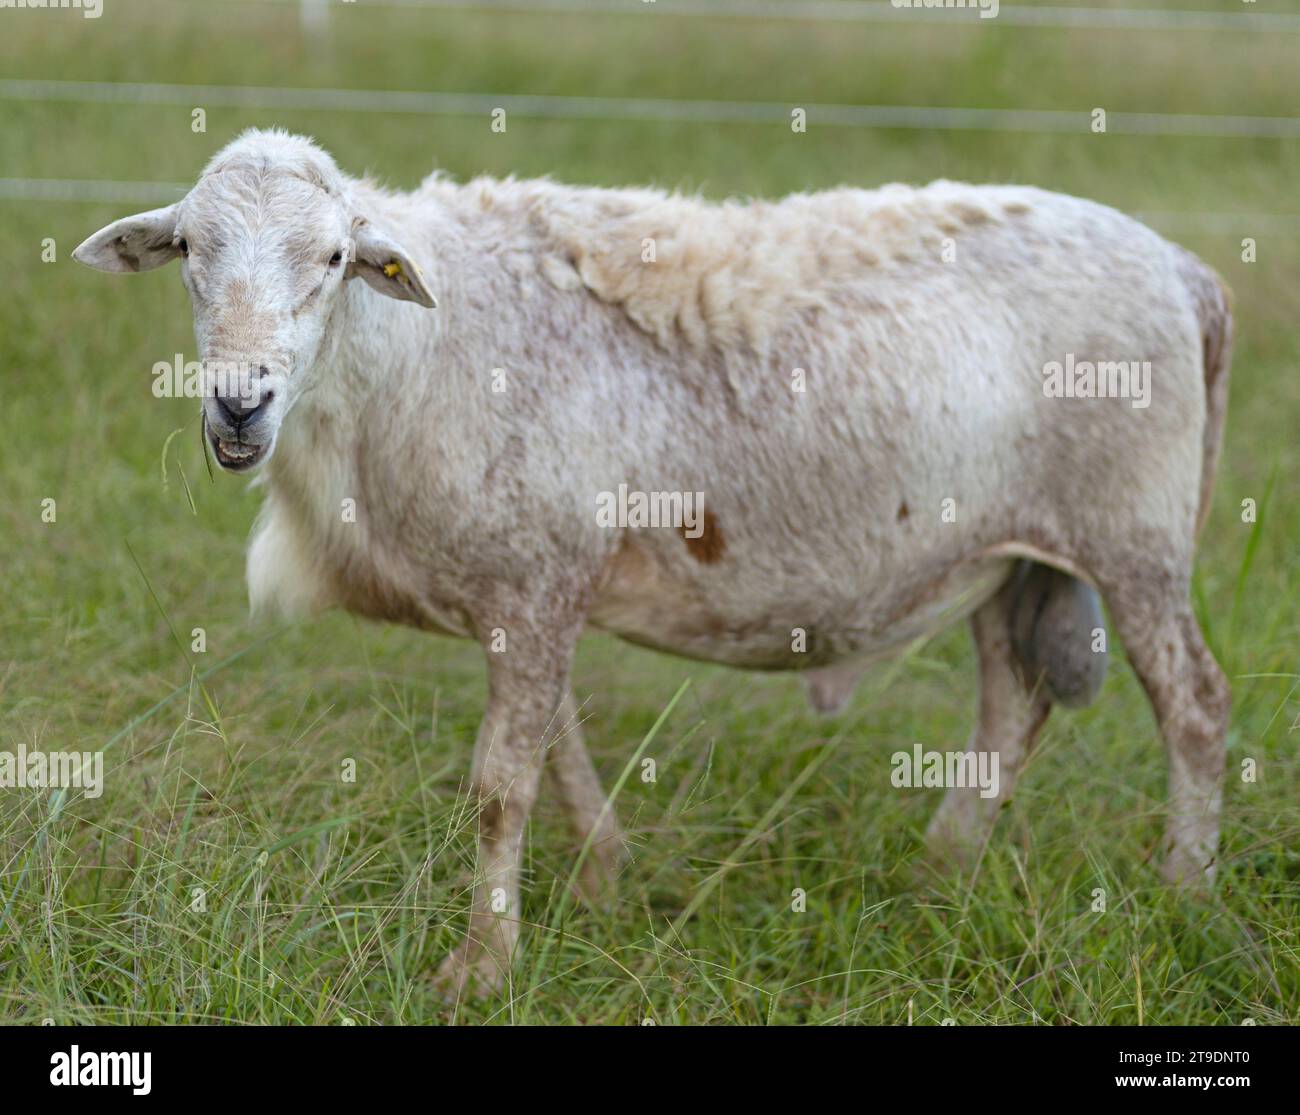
(336, 259)
(184, 246)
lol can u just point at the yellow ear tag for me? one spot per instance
(391, 269)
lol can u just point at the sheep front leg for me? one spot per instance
(527, 685)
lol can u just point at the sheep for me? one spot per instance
(859, 393)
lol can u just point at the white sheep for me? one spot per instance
(860, 397)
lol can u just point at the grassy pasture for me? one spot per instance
(227, 873)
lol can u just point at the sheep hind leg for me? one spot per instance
(1191, 700)
(1011, 713)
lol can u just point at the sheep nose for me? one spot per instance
(242, 408)
(238, 409)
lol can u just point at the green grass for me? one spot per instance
(327, 901)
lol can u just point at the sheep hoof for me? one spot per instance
(469, 971)
(1187, 874)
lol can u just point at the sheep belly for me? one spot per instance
(763, 627)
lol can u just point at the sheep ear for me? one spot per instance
(138, 243)
(383, 264)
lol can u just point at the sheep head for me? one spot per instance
(267, 238)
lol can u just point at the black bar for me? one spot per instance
(353, 1063)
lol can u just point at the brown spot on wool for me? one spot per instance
(709, 547)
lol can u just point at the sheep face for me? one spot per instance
(264, 257)
(264, 254)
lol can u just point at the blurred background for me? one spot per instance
(323, 900)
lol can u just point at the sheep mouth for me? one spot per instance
(235, 456)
